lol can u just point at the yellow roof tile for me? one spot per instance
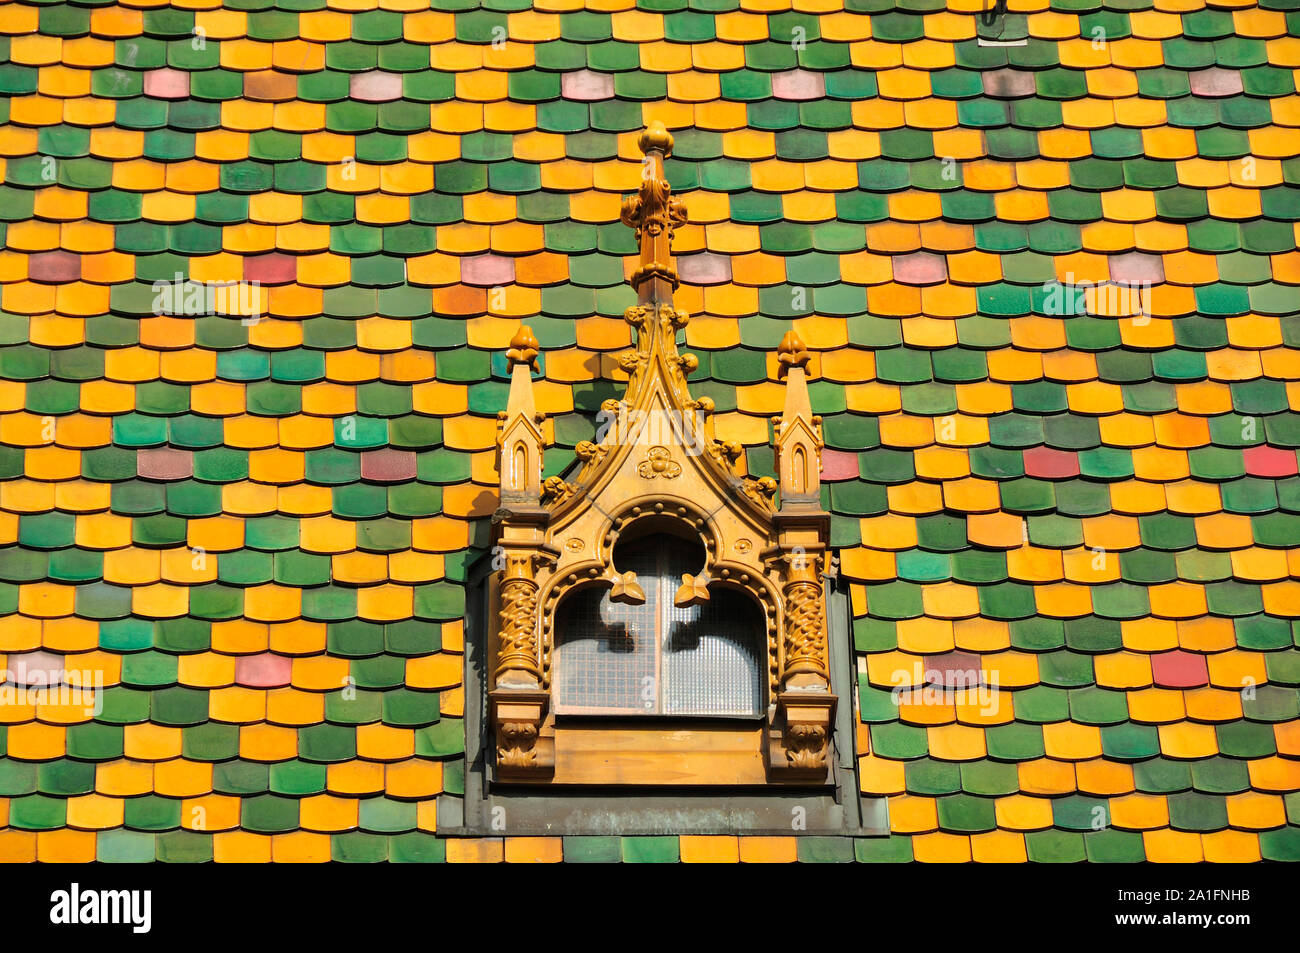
(984, 707)
(903, 83)
(971, 495)
(981, 635)
(1230, 847)
(924, 634)
(1020, 812)
(874, 54)
(1150, 635)
(1288, 737)
(931, 53)
(241, 847)
(414, 778)
(238, 705)
(1010, 365)
(956, 742)
(1169, 846)
(880, 776)
(909, 814)
(1123, 670)
(1034, 565)
(1046, 776)
(941, 848)
(95, 812)
(59, 846)
(206, 670)
(300, 847)
(1104, 778)
(1139, 812)
(151, 742)
(109, 21)
(1254, 331)
(240, 636)
(268, 742)
(1212, 705)
(1067, 365)
(325, 812)
(1068, 741)
(293, 707)
(867, 564)
(1281, 775)
(1063, 600)
(844, 26)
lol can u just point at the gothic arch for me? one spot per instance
(659, 464)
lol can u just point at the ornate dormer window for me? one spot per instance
(659, 618)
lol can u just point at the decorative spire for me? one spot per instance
(519, 438)
(654, 214)
(798, 432)
(803, 525)
(791, 352)
(523, 348)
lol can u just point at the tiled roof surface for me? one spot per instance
(229, 519)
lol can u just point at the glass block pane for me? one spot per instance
(657, 658)
(605, 656)
(711, 657)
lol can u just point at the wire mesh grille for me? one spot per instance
(605, 654)
(710, 657)
(657, 658)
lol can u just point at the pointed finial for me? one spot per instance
(792, 352)
(798, 431)
(654, 212)
(523, 347)
(656, 136)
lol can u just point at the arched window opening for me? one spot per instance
(656, 657)
(520, 471)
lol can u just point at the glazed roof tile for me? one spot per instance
(1088, 494)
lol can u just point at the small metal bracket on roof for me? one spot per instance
(992, 26)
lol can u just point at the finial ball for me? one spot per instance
(656, 136)
(523, 346)
(792, 352)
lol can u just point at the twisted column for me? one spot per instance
(518, 619)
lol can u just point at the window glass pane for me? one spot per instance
(605, 651)
(657, 658)
(710, 657)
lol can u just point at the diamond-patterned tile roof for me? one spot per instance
(256, 531)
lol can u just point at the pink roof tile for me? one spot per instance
(35, 668)
(1051, 464)
(1009, 83)
(704, 269)
(267, 670)
(164, 463)
(798, 84)
(54, 267)
(920, 268)
(167, 83)
(376, 86)
(954, 670)
(838, 465)
(272, 269)
(487, 271)
(388, 466)
(1137, 267)
(587, 86)
(1266, 461)
(1179, 669)
(1215, 81)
